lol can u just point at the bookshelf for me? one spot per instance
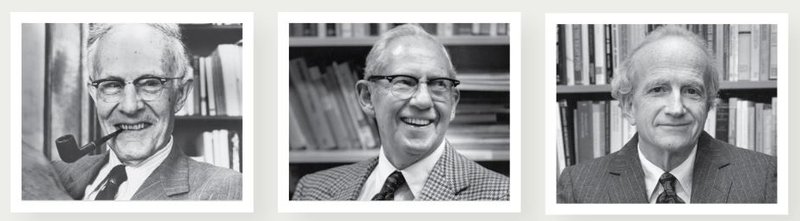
(591, 124)
(209, 127)
(479, 131)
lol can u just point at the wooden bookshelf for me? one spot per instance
(202, 40)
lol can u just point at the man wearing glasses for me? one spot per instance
(140, 77)
(410, 89)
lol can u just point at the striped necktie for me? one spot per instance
(115, 178)
(393, 182)
(669, 195)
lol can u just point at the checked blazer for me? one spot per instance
(177, 178)
(722, 173)
(454, 177)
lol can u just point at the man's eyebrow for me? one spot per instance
(108, 78)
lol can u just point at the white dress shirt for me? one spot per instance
(683, 173)
(136, 174)
(415, 176)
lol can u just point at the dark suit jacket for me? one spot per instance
(722, 174)
(454, 177)
(177, 178)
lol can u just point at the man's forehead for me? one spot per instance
(674, 51)
(671, 54)
(406, 45)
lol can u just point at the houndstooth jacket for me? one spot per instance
(454, 177)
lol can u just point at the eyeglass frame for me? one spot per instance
(389, 78)
(163, 80)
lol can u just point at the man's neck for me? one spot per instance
(666, 160)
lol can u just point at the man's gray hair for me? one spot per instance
(175, 60)
(622, 82)
(377, 59)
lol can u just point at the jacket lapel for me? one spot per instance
(709, 184)
(625, 175)
(86, 170)
(349, 187)
(168, 179)
(448, 177)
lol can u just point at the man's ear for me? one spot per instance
(364, 97)
(628, 111)
(183, 92)
(456, 98)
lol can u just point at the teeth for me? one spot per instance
(417, 121)
(138, 126)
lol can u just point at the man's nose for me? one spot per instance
(130, 103)
(421, 98)
(676, 106)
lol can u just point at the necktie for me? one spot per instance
(115, 178)
(669, 195)
(393, 182)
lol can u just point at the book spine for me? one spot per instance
(763, 53)
(755, 56)
(569, 55)
(773, 52)
(566, 127)
(585, 54)
(599, 55)
(584, 152)
(577, 54)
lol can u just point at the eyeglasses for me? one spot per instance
(404, 86)
(148, 87)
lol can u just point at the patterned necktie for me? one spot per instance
(115, 178)
(393, 182)
(669, 195)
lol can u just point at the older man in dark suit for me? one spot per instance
(410, 89)
(666, 89)
(140, 77)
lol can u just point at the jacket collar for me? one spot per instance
(626, 175)
(448, 178)
(170, 178)
(710, 185)
(351, 186)
(91, 164)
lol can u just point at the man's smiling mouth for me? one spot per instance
(418, 122)
(133, 127)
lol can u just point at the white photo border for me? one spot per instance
(285, 205)
(782, 205)
(38, 206)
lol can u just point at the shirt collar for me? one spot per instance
(416, 174)
(683, 172)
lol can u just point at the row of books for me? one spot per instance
(746, 123)
(484, 81)
(356, 30)
(588, 54)
(324, 113)
(592, 129)
(217, 83)
(480, 125)
(221, 148)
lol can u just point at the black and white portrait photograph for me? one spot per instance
(123, 111)
(669, 113)
(388, 111)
